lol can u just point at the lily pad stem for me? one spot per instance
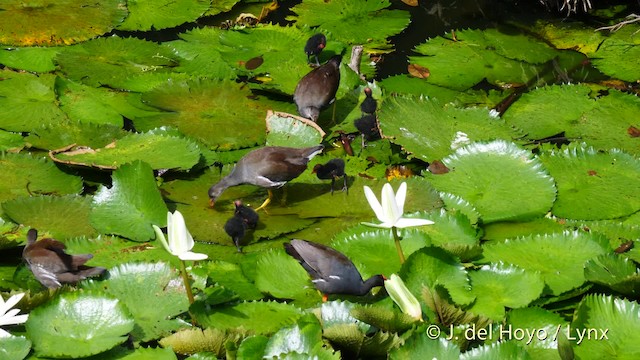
(185, 279)
(397, 238)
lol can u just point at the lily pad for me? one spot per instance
(293, 131)
(116, 62)
(25, 175)
(131, 205)
(601, 122)
(62, 134)
(220, 114)
(78, 324)
(428, 130)
(152, 14)
(462, 60)
(231, 277)
(192, 341)
(199, 50)
(615, 272)
(131, 283)
(501, 180)
(422, 346)
(11, 142)
(497, 286)
(64, 217)
(250, 315)
(594, 185)
(618, 319)
(157, 150)
(543, 324)
(559, 257)
(354, 22)
(291, 281)
(58, 22)
(453, 232)
(27, 100)
(14, 347)
(34, 59)
(431, 266)
(500, 350)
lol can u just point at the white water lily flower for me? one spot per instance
(180, 240)
(390, 211)
(399, 293)
(9, 316)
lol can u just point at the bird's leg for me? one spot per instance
(325, 297)
(317, 61)
(266, 202)
(344, 187)
(333, 114)
(333, 180)
(283, 201)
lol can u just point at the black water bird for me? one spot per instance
(314, 46)
(317, 90)
(332, 170)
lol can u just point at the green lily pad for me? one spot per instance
(231, 277)
(431, 266)
(220, 114)
(11, 142)
(58, 22)
(34, 59)
(78, 324)
(290, 281)
(62, 134)
(603, 122)
(14, 347)
(422, 346)
(305, 337)
(408, 85)
(250, 315)
(497, 286)
(354, 22)
(151, 14)
(594, 185)
(64, 217)
(131, 205)
(199, 50)
(429, 131)
(374, 251)
(26, 100)
(559, 257)
(501, 180)
(386, 319)
(140, 353)
(543, 324)
(131, 283)
(453, 232)
(115, 62)
(462, 61)
(157, 150)
(193, 341)
(615, 55)
(25, 175)
(290, 130)
(615, 272)
(618, 319)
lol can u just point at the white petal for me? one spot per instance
(383, 225)
(373, 202)
(389, 206)
(4, 334)
(163, 240)
(407, 222)
(178, 239)
(13, 320)
(401, 196)
(192, 256)
(13, 300)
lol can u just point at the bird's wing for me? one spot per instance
(324, 260)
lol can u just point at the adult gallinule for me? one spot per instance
(247, 214)
(331, 271)
(368, 127)
(317, 89)
(268, 167)
(52, 266)
(314, 46)
(236, 227)
(369, 104)
(333, 169)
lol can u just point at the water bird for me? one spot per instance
(248, 215)
(316, 90)
(52, 266)
(368, 127)
(331, 271)
(268, 167)
(314, 46)
(333, 170)
(369, 104)
(236, 228)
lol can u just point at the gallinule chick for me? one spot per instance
(331, 271)
(333, 169)
(268, 167)
(247, 214)
(52, 266)
(236, 227)
(368, 127)
(314, 46)
(318, 89)
(369, 104)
